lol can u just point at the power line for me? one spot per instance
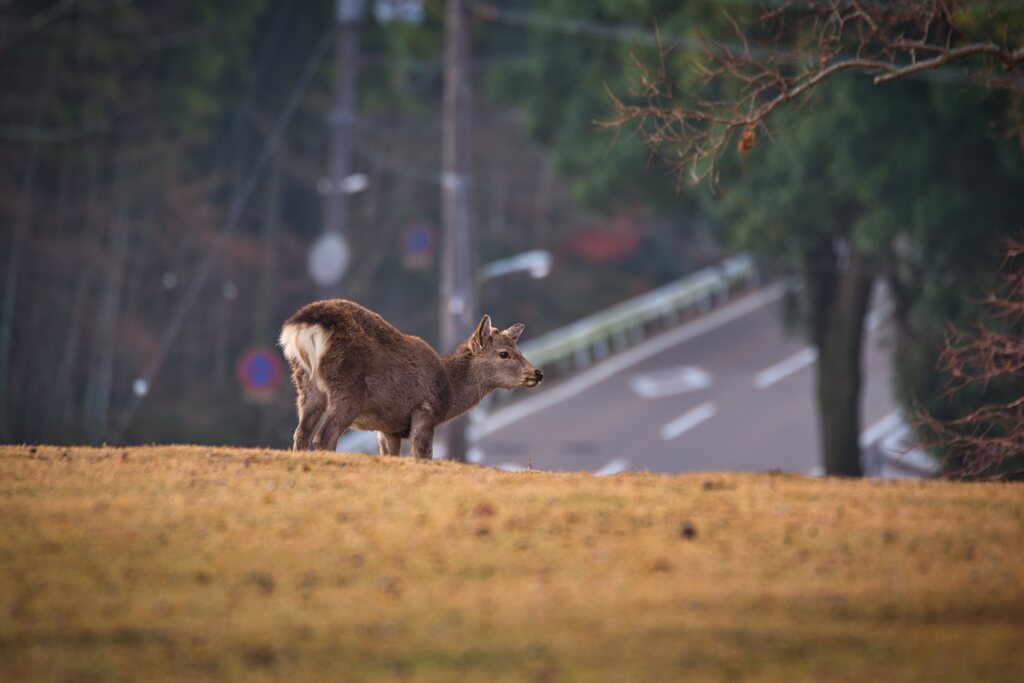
(231, 129)
(63, 134)
(397, 166)
(620, 33)
(36, 22)
(241, 200)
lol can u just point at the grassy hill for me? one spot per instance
(210, 564)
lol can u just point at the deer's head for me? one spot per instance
(496, 360)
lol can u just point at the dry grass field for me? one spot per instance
(211, 564)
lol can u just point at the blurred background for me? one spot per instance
(177, 178)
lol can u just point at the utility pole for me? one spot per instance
(341, 120)
(458, 294)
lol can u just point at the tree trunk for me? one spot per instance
(62, 422)
(265, 322)
(97, 410)
(107, 316)
(9, 299)
(842, 307)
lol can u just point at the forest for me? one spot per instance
(162, 168)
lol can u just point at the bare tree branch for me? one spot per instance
(739, 85)
(989, 440)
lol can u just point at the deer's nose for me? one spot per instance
(538, 374)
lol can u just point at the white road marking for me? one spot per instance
(602, 371)
(613, 467)
(670, 382)
(688, 421)
(783, 369)
(804, 357)
(880, 429)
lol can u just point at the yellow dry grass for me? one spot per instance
(211, 564)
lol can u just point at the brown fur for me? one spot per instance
(351, 368)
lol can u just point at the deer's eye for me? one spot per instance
(503, 354)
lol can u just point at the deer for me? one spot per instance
(351, 368)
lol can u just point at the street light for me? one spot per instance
(536, 262)
(328, 259)
(329, 256)
(357, 182)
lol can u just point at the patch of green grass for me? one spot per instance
(201, 564)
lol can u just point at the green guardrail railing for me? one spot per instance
(600, 334)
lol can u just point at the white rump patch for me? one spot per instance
(306, 345)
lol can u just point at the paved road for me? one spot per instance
(727, 391)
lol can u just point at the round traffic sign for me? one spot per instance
(259, 370)
(419, 244)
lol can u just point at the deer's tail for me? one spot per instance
(305, 344)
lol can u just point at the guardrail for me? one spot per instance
(596, 336)
(613, 329)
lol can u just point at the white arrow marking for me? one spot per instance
(525, 407)
(688, 421)
(784, 369)
(880, 429)
(614, 467)
(671, 381)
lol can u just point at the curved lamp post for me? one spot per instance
(536, 262)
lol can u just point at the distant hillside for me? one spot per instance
(206, 564)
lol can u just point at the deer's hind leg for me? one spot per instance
(389, 444)
(341, 412)
(346, 392)
(310, 403)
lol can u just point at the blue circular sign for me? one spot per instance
(420, 239)
(259, 370)
(419, 243)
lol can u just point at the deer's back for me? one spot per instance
(348, 322)
(350, 349)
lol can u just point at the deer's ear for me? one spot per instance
(515, 331)
(482, 334)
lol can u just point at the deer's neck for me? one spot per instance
(467, 389)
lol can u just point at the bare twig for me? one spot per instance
(691, 129)
(989, 440)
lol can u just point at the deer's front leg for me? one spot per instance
(421, 434)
